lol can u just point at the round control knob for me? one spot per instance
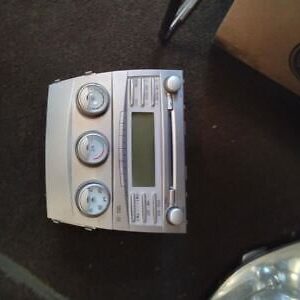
(173, 84)
(92, 148)
(92, 199)
(92, 99)
(175, 215)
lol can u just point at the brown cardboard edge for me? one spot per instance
(229, 47)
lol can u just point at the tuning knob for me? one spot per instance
(92, 100)
(92, 148)
(175, 216)
(173, 84)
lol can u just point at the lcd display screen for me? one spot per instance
(143, 154)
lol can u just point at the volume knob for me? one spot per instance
(175, 216)
(92, 100)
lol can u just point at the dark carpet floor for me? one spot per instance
(243, 151)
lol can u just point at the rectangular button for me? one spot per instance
(142, 99)
(132, 207)
(122, 180)
(156, 90)
(121, 141)
(122, 117)
(136, 90)
(121, 170)
(130, 92)
(147, 90)
(144, 208)
(121, 167)
(154, 206)
(152, 91)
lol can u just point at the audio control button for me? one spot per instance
(92, 199)
(144, 208)
(154, 205)
(92, 148)
(132, 207)
(156, 94)
(175, 215)
(92, 100)
(173, 84)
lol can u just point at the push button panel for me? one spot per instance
(143, 91)
(145, 209)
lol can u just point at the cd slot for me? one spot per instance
(173, 155)
(170, 143)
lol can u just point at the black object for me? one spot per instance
(172, 20)
(295, 61)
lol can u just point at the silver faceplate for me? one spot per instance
(143, 209)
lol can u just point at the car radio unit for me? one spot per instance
(115, 151)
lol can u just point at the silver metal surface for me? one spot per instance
(173, 84)
(247, 257)
(92, 99)
(175, 216)
(73, 130)
(92, 148)
(92, 199)
(183, 11)
(89, 228)
(274, 276)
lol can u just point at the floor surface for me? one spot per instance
(243, 152)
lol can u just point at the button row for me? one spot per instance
(144, 209)
(143, 91)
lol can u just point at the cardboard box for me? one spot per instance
(265, 34)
